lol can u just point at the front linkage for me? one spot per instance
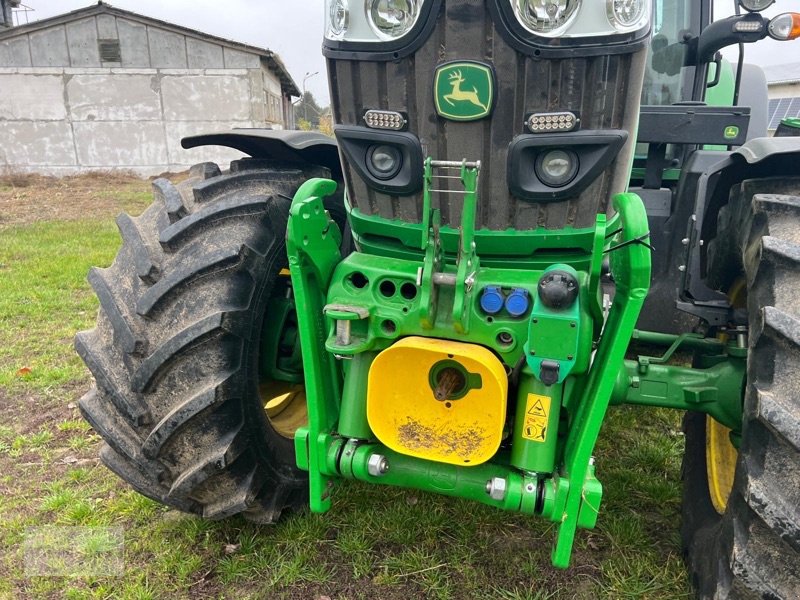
(412, 363)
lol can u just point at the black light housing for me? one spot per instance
(756, 5)
(370, 153)
(594, 150)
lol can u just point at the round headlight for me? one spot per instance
(544, 16)
(556, 168)
(755, 5)
(627, 14)
(338, 16)
(384, 161)
(391, 19)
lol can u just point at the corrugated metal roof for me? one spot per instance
(272, 59)
(785, 73)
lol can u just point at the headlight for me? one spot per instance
(576, 19)
(338, 15)
(755, 5)
(372, 21)
(627, 15)
(556, 168)
(391, 19)
(384, 161)
(544, 16)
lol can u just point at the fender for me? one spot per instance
(704, 188)
(759, 157)
(307, 147)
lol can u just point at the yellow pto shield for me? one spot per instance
(438, 400)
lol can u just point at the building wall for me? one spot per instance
(63, 109)
(784, 90)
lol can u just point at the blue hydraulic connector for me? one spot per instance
(492, 300)
(517, 302)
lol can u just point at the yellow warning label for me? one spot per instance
(537, 409)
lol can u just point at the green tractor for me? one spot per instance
(450, 295)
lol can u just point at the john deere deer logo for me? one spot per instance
(459, 95)
(464, 91)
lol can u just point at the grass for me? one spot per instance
(374, 543)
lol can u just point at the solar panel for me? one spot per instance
(782, 108)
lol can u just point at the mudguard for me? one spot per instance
(287, 145)
(680, 265)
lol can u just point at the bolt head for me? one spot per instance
(496, 488)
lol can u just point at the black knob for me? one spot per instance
(558, 289)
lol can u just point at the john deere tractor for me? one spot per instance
(446, 297)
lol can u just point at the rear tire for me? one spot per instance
(175, 352)
(752, 549)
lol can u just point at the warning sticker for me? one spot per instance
(537, 409)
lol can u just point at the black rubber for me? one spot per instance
(175, 349)
(753, 549)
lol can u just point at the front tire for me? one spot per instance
(175, 353)
(750, 548)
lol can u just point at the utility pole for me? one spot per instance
(305, 102)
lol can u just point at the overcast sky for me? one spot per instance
(293, 28)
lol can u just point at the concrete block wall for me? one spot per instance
(63, 110)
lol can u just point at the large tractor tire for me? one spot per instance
(176, 353)
(741, 509)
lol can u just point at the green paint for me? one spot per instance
(714, 386)
(472, 381)
(535, 248)
(396, 301)
(282, 333)
(312, 245)
(630, 266)
(535, 450)
(463, 91)
(415, 316)
(353, 418)
(555, 335)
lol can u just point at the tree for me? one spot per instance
(307, 109)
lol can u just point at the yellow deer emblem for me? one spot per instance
(459, 95)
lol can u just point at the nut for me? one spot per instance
(377, 465)
(496, 488)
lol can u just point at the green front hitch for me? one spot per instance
(344, 322)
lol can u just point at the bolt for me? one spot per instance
(496, 488)
(685, 241)
(377, 465)
(702, 242)
(530, 488)
(682, 268)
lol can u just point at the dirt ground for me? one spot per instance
(27, 198)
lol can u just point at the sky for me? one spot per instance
(294, 28)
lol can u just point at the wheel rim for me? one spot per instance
(285, 405)
(721, 454)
